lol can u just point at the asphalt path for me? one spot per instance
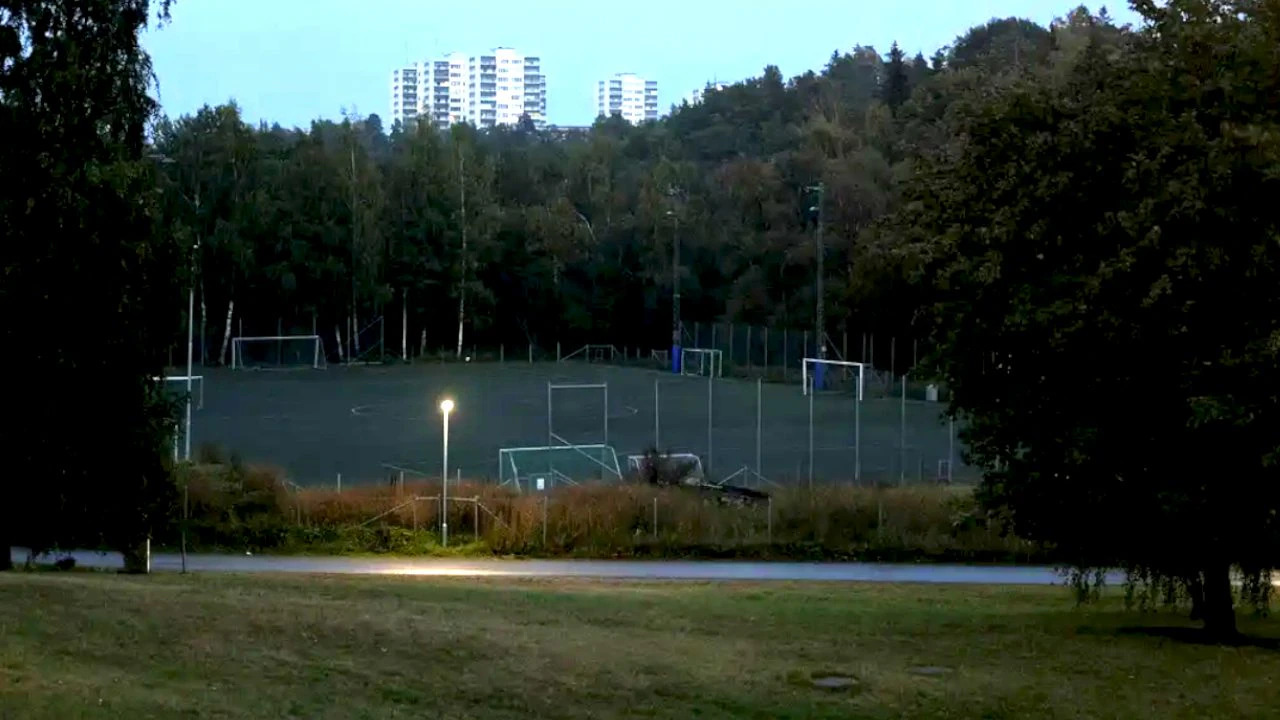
(611, 569)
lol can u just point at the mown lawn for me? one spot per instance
(225, 646)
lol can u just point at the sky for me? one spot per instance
(292, 61)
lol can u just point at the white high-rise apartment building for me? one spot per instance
(629, 96)
(484, 90)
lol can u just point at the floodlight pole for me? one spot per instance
(819, 335)
(676, 359)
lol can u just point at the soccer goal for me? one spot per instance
(833, 375)
(594, 353)
(177, 385)
(666, 465)
(546, 467)
(278, 352)
(703, 362)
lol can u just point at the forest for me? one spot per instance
(465, 238)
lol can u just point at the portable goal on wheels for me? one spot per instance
(702, 362)
(836, 375)
(277, 352)
(594, 354)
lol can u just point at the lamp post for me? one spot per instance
(446, 407)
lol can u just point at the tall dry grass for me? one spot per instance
(235, 506)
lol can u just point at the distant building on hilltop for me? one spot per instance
(629, 96)
(695, 96)
(496, 88)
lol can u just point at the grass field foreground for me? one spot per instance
(105, 646)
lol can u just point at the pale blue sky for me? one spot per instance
(295, 60)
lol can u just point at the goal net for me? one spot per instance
(175, 386)
(283, 352)
(667, 468)
(843, 376)
(703, 362)
(542, 468)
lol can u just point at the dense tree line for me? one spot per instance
(513, 235)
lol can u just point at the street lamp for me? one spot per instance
(675, 292)
(446, 407)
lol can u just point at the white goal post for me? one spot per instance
(278, 351)
(857, 369)
(702, 362)
(196, 384)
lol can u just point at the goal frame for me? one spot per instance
(317, 360)
(509, 472)
(710, 362)
(197, 384)
(806, 373)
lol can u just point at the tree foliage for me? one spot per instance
(88, 288)
(1102, 250)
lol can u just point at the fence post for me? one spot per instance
(502, 352)
(769, 530)
(811, 394)
(339, 482)
(766, 350)
(730, 344)
(902, 437)
(530, 353)
(657, 419)
(804, 345)
(476, 501)
(544, 522)
(893, 357)
(748, 347)
(655, 518)
(710, 415)
(784, 354)
(759, 412)
(863, 358)
(557, 351)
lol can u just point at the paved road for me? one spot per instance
(617, 569)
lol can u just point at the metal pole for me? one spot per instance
(857, 431)
(606, 413)
(951, 447)
(769, 536)
(811, 391)
(404, 324)
(544, 521)
(710, 414)
(502, 352)
(759, 412)
(657, 419)
(784, 354)
(530, 353)
(766, 349)
(902, 437)
(655, 517)
(748, 347)
(893, 356)
(550, 432)
(476, 501)
(819, 317)
(676, 340)
(444, 487)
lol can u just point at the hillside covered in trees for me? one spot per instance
(517, 236)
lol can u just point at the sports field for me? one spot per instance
(367, 422)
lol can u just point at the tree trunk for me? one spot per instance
(462, 305)
(422, 347)
(337, 335)
(1219, 607)
(226, 333)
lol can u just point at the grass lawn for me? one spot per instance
(226, 646)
